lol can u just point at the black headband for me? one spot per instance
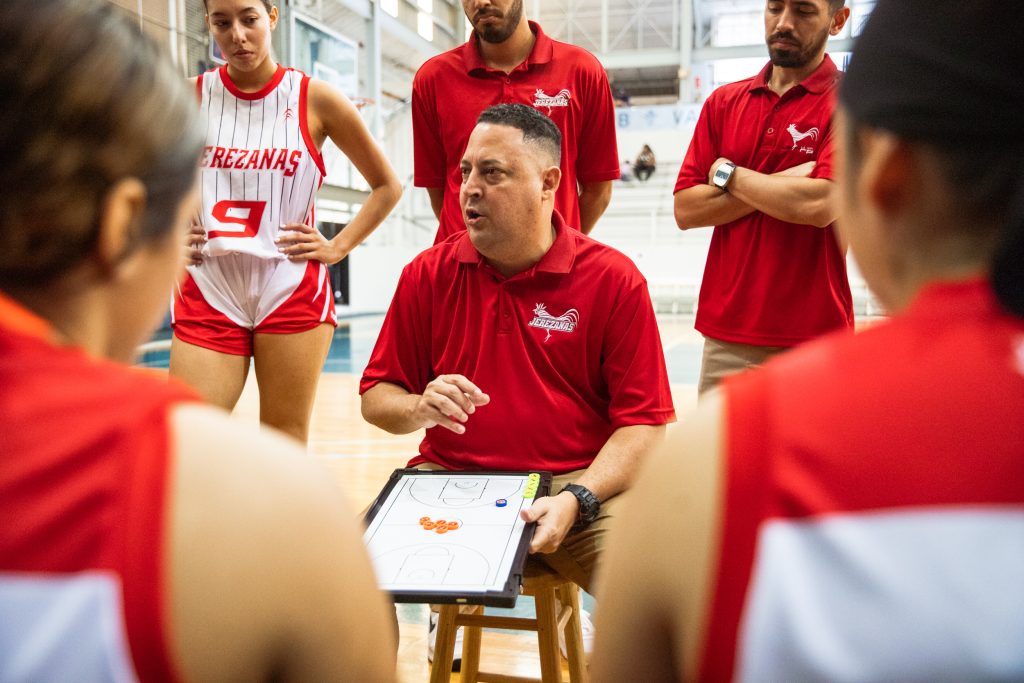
(947, 72)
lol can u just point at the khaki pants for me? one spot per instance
(722, 358)
(577, 558)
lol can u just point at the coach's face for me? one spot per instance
(507, 194)
(796, 30)
(493, 20)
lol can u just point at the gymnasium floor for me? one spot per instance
(362, 457)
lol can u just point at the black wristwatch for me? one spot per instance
(590, 506)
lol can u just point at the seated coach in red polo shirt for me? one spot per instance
(522, 344)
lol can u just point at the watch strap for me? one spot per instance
(589, 505)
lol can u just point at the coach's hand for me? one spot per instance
(194, 243)
(300, 242)
(448, 401)
(555, 516)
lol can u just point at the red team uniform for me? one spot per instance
(83, 524)
(260, 170)
(563, 81)
(568, 350)
(874, 504)
(768, 282)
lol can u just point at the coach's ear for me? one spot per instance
(118, 228)
(550, 180)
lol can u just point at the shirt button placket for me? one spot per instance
(505, 312)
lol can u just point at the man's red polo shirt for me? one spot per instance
(563, 81)
(568, 351)
(768, 282)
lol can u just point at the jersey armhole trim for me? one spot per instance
(304, 126)
(745, 488)
(199, 88)
(149, 497)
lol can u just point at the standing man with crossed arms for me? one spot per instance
(759, 168)
(511, 60)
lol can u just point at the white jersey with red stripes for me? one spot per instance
(260, 167)
(260, 171)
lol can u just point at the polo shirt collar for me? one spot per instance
(558, 259)
(560, 256)
(540, 54)
(818, 82)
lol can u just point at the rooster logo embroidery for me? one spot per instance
(566, 322)
(798, 136)
(542, 99)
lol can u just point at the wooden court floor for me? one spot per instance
(362, 457)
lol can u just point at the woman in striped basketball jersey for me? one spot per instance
(258, 285)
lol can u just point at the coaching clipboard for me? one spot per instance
(453, 537)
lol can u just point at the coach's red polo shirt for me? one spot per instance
(563, 81)
(568, 352)
(768, 282)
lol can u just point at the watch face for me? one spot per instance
(721, 175)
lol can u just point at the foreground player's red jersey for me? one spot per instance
(84, 461)
(874, 504)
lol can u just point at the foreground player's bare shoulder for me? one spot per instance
(652, 594)
(264, 548)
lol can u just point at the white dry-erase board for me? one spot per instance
(453, 537)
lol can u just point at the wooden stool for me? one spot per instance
(549, 590)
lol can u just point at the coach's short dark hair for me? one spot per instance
(835, 5)
(536, 127)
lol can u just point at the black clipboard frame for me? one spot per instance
(510, 593)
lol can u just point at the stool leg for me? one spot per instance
(570, 595)
(471, 649)
(444, 646)
(547, 636)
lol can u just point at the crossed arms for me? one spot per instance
(789, 195)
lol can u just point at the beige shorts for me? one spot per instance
(722, 358)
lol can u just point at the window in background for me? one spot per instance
(737, 28)
(425, 19)
(858, 15)
(731, 70)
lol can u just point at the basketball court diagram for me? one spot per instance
(449, 533)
